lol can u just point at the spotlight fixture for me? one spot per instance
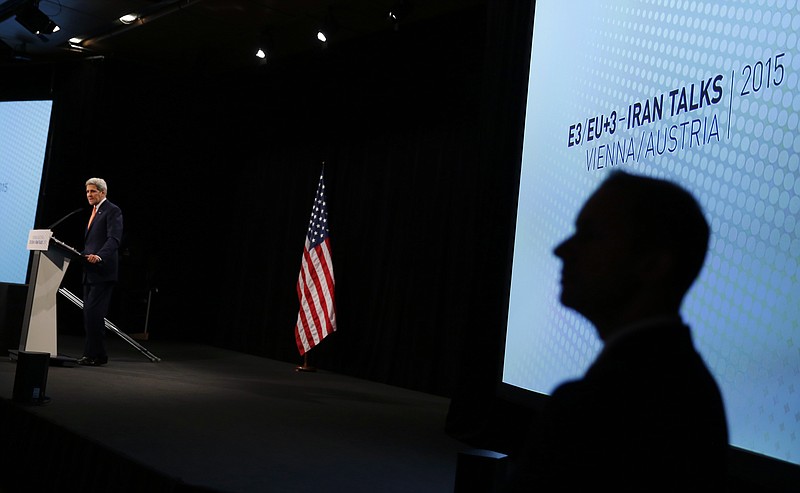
(399, 12)
(264, 46)
(129, 18)
(327, 30)
(36, 21)
(75, 43)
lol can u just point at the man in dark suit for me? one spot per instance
(647, 415)
(101, 247)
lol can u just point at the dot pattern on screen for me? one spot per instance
(748, 184)
(23, 142)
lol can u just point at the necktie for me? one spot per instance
(94, 213)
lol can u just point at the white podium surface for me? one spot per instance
(39, 323)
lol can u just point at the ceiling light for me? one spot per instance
(129, 18)
(399, 12)
(264, 44)
(36, 21)
(75, 42)
(328, 29)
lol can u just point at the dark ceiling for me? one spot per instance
(217, 34)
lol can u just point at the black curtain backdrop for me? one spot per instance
(420, 133)
(477, 415)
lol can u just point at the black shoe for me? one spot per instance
(86, 361)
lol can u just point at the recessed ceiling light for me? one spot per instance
(128, 18)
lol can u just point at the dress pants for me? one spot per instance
(96, 300)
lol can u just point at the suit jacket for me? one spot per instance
(103, 239)
(646, 416)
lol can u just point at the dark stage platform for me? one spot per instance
(207, 419)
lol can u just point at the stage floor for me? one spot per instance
(225, 421)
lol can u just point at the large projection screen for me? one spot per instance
(702, 93)
(24, 128)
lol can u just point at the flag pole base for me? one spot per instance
(304, 366)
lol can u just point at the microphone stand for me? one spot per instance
(65, 218)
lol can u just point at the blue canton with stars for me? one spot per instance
(318, 227)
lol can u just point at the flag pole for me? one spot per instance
(316, 317)
(304, 366)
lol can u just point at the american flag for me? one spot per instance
(317, 316)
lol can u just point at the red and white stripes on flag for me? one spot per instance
(317, 316)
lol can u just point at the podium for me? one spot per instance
(51, 258)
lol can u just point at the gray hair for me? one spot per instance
(99, 183)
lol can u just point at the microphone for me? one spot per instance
(64, 218)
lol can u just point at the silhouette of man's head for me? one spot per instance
(639, 244)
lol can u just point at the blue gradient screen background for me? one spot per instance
(24, 127)
(725, 75)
